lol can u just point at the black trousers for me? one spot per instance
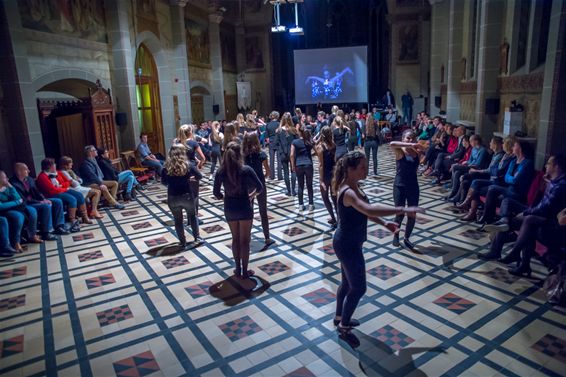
(305, 172)
(406, 196)
(178, 203)
(273, 154)
(262, 204)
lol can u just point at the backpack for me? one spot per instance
(555, 286)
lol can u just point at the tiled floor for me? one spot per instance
(116, 299)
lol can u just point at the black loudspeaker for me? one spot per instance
(492, 106)
(437, 101)
(215, 109)
(121, 119)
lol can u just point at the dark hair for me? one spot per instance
(327, 139)
(526, 148)
(497, 140)
(251, 143)
(232, 165)
(142, 135)
(477, 138)
(307, 137)
(47, 163)
(560, 161)
(466, 138)
(349, 161)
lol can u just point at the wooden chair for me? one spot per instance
(132, 162)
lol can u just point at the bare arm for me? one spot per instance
(292, 157)
(375, 210)
(266, 168)
(562, 217)
(314, 78)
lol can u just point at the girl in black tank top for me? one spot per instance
(354, 211)
(406, 186)
(325, 150)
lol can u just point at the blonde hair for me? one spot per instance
(182, 134)
(508, 143)
(214, 132)
(177, 164)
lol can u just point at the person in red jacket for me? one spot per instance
(53, 184)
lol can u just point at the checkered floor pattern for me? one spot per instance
(120, 299)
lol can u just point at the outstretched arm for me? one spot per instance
(344, 71)
(314, 78)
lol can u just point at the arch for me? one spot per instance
(200, 84)
(154, 45)
(67, 74)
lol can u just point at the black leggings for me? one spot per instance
(194, 186)
(262, 203)
(406, 196)
(302, 173)
(328, 199)
(214, 156)
(353, 285)
(290, 185)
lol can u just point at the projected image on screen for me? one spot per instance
(331, 75)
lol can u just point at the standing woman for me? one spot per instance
(241, 185)
(195, 157)
(256, 159)
(352, 133)
(177, 175)
(406, 185)
(301, 164)
(354, 211)
(325, 151)
(215, 141)
(285, 136)
(230, 134)
(240, 123)
(339, 133)
(371, 142)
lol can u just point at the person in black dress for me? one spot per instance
(354, 210)
(406, 186)
(176, 175)
(215, 141)
(340, 134)
(325, 151)
(301, 164)
(241, 185)
(255, 158)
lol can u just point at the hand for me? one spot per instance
(46, 201)
(252, 195)
(472, 170)
(391, 226)
(19, 201)
(103, 187)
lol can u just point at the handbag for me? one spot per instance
(555, 286)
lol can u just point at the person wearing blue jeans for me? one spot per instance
(49, 212)
(6, 250)
(148, 159)
(110, 173)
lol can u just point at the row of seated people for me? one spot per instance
(30, 206)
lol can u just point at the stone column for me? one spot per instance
(179, 60)
(18, 91)
(437, 50)
(491, 18)
(216, 63)
(122, 69)
(240, 48)
(552, 125)
(455, 35)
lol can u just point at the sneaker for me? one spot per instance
(199, 240)
(75, 227)
(61, 230)
(7, 252)
(311, 207)
(119, 206)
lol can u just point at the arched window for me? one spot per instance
(147, 95)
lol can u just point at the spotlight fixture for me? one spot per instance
(278, 29)
(297, 30)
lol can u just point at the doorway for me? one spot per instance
(147, 96)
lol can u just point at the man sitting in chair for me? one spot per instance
(93, 177)
(148, 159)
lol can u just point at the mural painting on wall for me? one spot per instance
(147, 16)
(254, 55)
(228, 46)
(408, 44)
(198, 46)
(73, 18)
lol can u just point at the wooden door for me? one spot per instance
(197, 109)
(71, 135)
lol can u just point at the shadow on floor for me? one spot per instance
(378, 359)
(449, 253)
(168, 250)
(234, 291)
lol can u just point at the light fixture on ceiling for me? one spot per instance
(297, 30)
(277, 28)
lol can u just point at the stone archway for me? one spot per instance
(51, 77)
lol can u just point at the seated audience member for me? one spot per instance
(66, 166)
(427, 132)
(93, 177)
(6, 250)
(480, 185)
(110, 173)
(54, 184)
(49, 212)
(13, 209)
(496, 148)
(445, 160)
(391, 117)
(442, 142)
(479, 159)
(148, 159)
(517, 179)
(541, 219)
(455, 163)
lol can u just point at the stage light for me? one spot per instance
(296, 30)
(278, 29)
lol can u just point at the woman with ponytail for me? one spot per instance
(241, 185)
(286, 133)
(325, 151)
(354, 211)
(340, 134)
